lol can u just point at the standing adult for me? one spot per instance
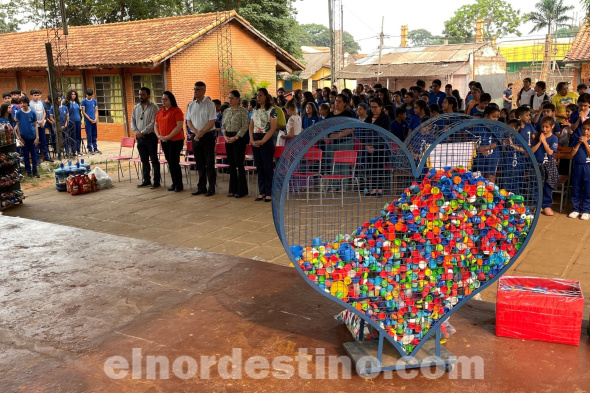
(76, 118)
(562, 99)
(168, 128)
(201, 115)
(143, 118)
(234, 127)
(376, 148)
(262, 127)
(525, 94)
(507, 96)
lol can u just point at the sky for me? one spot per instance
(362, 18)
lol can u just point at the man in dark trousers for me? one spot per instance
(201, 115)
(143, 118)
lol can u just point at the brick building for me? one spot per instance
(164, 54)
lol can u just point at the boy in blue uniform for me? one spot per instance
(527, 130)
(480, 108)
(581, 175)
(399, 126)
(436, 97)
(488, 154)
(27, 130)
(548, 110)
(544, 148)
(513, 163)
(90, 112)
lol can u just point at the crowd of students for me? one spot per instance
(545, 122)
(33, 122)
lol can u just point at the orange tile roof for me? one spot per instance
(580, 50)
(143, 43)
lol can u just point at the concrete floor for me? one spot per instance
(74, 298)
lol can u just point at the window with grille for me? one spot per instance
(72, 82)
(109, 98)
(154, 82)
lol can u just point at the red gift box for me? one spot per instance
(542, 309)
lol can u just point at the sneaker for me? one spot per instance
(29, 174)
(585, 216)
(98, 152)
(574, 214)
(35, 174)
(91, 153)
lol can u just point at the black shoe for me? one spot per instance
(230, 195)
(268, 200)
(172, 188)
(144, 184)
(178, 189)
(155, 185)
(98, 152)
(198, 192)
(47, 159)
(35, 174)
(29, 174)
(240, 196)
(260, 198)
(210, 193)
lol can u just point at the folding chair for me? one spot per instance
(187, 163)
(220, 154)
(125, 143)
(564, 180)
(312, 158)
(343, 157)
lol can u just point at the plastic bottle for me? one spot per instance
(60, 178)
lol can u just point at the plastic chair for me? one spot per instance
(220, 154)
(186, 164)
(249, 168)
(313, 157)
(564, 180)
(162, 161)
(346, 157)
(125, 143)
(279, 150)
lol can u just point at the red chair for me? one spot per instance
(249, 168)
(125, 143)
(162, 161)
(279, 150)
(186, 164)
(312, 157)
(220, 139)
(220, 154)
(343, 157)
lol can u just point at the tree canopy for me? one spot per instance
(549, 14)
(314, 34)
(423, 37)
(500, 19)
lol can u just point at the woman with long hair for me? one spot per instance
(168, 128)
(460, 101)
(262, 127)
(76, 120)
(234, 128)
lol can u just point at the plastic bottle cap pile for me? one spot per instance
(431, 248)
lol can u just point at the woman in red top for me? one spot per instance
(168, 128)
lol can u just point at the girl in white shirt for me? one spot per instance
(293, 125)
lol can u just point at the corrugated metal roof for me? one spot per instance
(356, 71)
(313, 62)
(424, 54)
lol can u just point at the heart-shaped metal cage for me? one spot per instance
(339, 176)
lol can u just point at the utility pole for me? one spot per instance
(331, 15)
(380, 48)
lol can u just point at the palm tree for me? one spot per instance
(550, 14)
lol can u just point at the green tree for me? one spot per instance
(314, 34)
(8, 23)
(500, 19)
(423, 37)
(550, 14)
(566, 32)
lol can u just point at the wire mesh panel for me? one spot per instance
(403, 234)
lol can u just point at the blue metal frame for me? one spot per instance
(336, 124)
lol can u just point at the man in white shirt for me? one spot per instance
(525, 94)
(201, 115)
(143, 118)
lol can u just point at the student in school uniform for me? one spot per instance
(488, 152)
(544, 147)
(399, 126)
(527, 130)
(27, 130)
(581, 175)
(482, 103)
(436, 96)
(90, 113)
(513, 162)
